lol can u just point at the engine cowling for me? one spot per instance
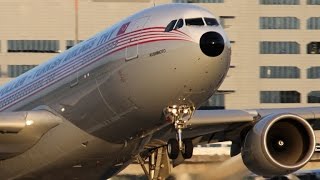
(278, 144)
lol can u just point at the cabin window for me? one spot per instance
(170, 26)
(211, 22)
(179, 24)
(194, 22)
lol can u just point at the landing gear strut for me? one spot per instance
(177, 115)
(159, 166)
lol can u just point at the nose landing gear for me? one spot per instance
(174, 150)
(176, 114)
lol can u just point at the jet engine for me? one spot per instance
(278, 144)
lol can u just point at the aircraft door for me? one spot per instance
(74, 79)
(132, 50)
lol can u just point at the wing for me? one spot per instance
(235, 121)
(271, 141)
(21, 130)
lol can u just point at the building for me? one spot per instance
(275, 43)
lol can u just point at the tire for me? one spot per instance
(187, 151)
(173, 148)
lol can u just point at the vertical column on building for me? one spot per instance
(63, 45)
(3, 50)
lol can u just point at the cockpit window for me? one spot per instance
(194, 22)
(170, 26)
(211, 22)
(179, 24)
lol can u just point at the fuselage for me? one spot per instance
(115, 85)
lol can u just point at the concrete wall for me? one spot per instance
(54, 20)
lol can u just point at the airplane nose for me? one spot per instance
(212, 44)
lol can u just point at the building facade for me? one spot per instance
(275, 43)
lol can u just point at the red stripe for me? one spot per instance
(144, 34)
(84, 65)
(72, 64)
(121, 37)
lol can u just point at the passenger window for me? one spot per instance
(194, 22)
(211, 22)
(179, 24)
(170, 26)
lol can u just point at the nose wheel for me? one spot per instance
(187, 151)
(175, 146)
(174, 150)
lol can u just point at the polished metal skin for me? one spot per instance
(110, 90)
(90, 111)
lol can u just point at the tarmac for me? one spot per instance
(205, 167)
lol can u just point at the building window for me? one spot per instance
(313, 72)
(216, 100)
(313, 2)
(16, 70)
(280, 2)
(198, 1)
(313, 23)
(71, 43)
(314, 97)
(33, 46)
(279, 97)
(269, 47)
(226, 21)
(279, 72)
(313, 48)
(279, 23)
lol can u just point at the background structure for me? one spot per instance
(275, 43)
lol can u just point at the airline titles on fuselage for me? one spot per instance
(47, 73)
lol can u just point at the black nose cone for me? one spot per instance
(212, 44)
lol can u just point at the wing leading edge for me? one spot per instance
(271, 141)
(212, 117)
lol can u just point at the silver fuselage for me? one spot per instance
(111, 90)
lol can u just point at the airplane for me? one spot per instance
(132, 93)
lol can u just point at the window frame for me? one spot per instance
(170, 29)
(194, 19)
(280, 97)
(217, 22)
(175, 27)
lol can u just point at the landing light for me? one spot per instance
(29, 122)
(174, 111)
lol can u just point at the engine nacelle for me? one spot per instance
(278, 144)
